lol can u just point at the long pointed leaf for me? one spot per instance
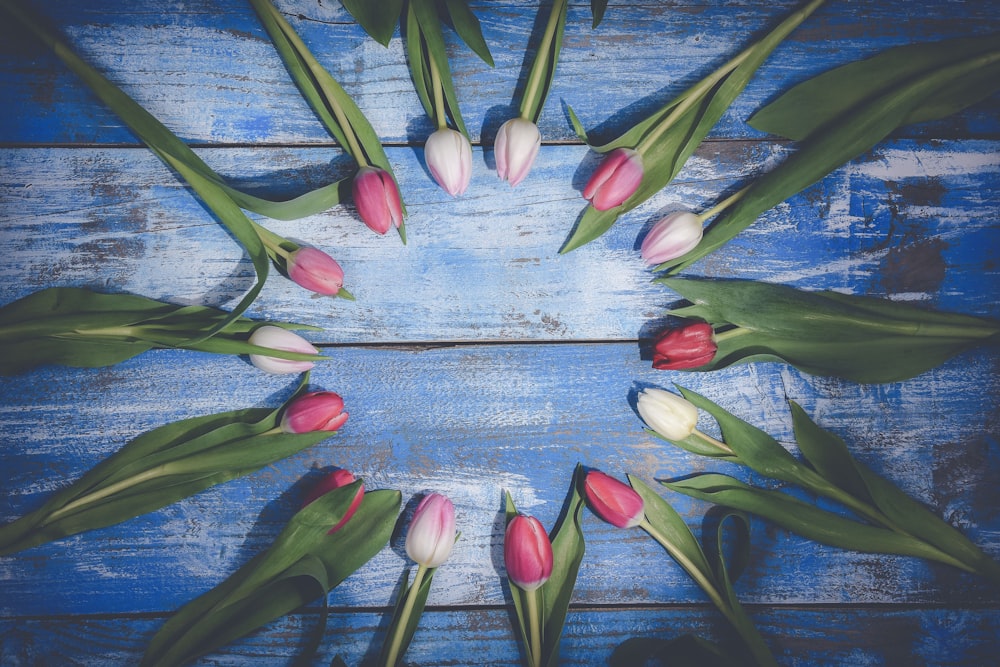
(804, 519)
(844, 138)
(810, 105)
(688, 118)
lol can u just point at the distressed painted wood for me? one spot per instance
(476, 359)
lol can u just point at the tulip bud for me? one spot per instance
(527, 552)
(515, 149)
(315, 270)
(377, 199)
(671, 416)
(432, 531)
(615, 180)
(277, 338)
(687, 347)
(449, 158)
(335, 480)
(315, 411)
(671, 237)
(614, 501)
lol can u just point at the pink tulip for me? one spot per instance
(277, 338)
(687, 347)
(671, 237)
(315, 270)
(527, 552)
(614, 501)
(449, 158)
(377, 199)
(315, 411)
(431, 535)
(615, 180)
(516, 148)
(334, 480)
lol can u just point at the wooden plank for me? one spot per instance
(912, 220)
(207, 70)
(798, 636)
(472, 421)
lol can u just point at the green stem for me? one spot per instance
(691, 97)
(100, 494)
(396, 641)
(528, 108)
(319, 74)
(535, 628)
(440, 113)
(724, 204)
(736, 616)
(723, 447)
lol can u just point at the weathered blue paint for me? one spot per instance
(475, 359)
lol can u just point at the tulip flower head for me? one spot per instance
(527, 552)
(315, 270)
(449, 158)
(315, 411)
(377, 199)
(515, 149)
(431, 534)
(689, 346)
(615, 180)
(612, 500)
(334, 480)
(671, 416)
(277, 338)
(671, 237)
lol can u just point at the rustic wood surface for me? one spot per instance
(476, 359)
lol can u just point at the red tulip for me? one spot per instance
(527, 552)
(687, 347)
(315, 411)
(614, 501)
(315, 270)
(377, 199)
(615, 180)
(335, 480)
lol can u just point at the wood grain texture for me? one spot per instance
(799, 637)
(476, 359)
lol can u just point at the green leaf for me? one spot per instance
(802, 518)
(304, 562)
(378, 19)
(825, 333)
(683, 651)
(753, 447)
(668, 528)
(335, 108)
(672, 532)
(428, 59)
(543, 68)
(829, 454)
(76, 327)
(158, 468)
(810, 105)
(668, 137)
(412, 619)
(568, 547)
(597, 9)
(467, 27)
(842, 139)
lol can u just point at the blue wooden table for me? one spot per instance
(476, 359)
